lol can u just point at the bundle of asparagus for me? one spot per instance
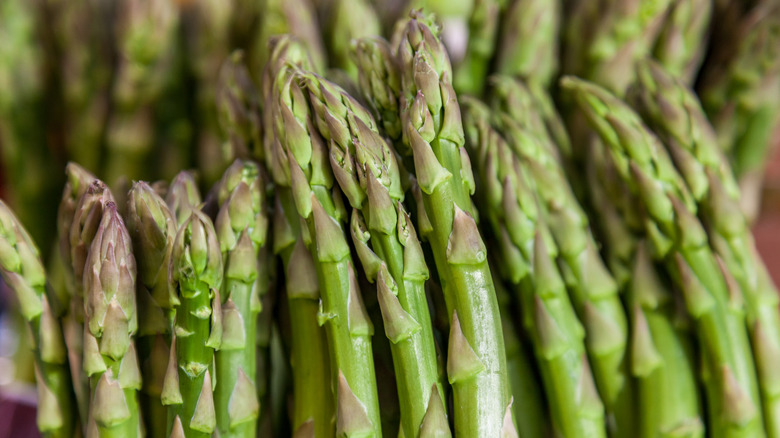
(400, 246)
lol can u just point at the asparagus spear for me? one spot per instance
(349, 20)
(661, 358)
(153, 229)
(528, 41)
(678, 239)
(740, 93)
(675, 114)
(314, 407)
(22, 270)
(296, 19)
(682, 42)
(65, 305)
(508, 201)
(183, 197)
(473, 69)
(196, 270)
(601, 41)
(303, 155)
(146, 37)
(238, 105)
(592, 288)
(380, 84)
(241, 228)
(528, 403)
(110, 322)
(366, 170)
(476, 364)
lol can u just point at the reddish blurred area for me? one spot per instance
(767, 228)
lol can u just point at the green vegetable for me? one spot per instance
(110, 323)
(301, 154)
(242, 226)
(678, 239)
(196, 270)
(476, 362)
(472, 71)
(183, 197)
(528, 41)
(675, 114)
(313, 402)
(21, 269)
(682, 42)
(508, 201)
(386, 243)
(153, 229)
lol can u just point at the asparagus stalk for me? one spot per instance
(592, 288)
(110, 322)
(380, 84)
(313, 402)
(349, 20)
(153, 229)
(238, 106)
(432, 127)
(740, 93)
(303, 155)
(242, 227)
(146, 37)
(661, 358)
(528, 403)
(366, 170)
(298, 20)
(65, 304)
(682, 41)
(472, 71)
(602, 41)
(183, 197)
(196, 270)
(528, 41)
(675, 114)
(678, 239)
(84, 226)
(22, 270)
(508, 200)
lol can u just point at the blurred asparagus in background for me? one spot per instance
(740, 91)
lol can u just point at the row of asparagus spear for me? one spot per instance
(534, 274)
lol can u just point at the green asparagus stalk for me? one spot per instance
(298, 20)
(349, 20)
(661, 358)
(303, 155)
(528, 41)
(238, 105)
(682, 42)
(146, 37)
(110, 323)
(675, 114)
(22, 270)
(592, 288)
(678, 239)
(366, 170)
(508, 201)
(183, 197)
(602, 41)
(472, 71)
(71, 313)
(242, 227)
(528, 403)
(380, 84)
(740, 92)
(476, 363)
(196, 270)
(153, 229)
(313, 402)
